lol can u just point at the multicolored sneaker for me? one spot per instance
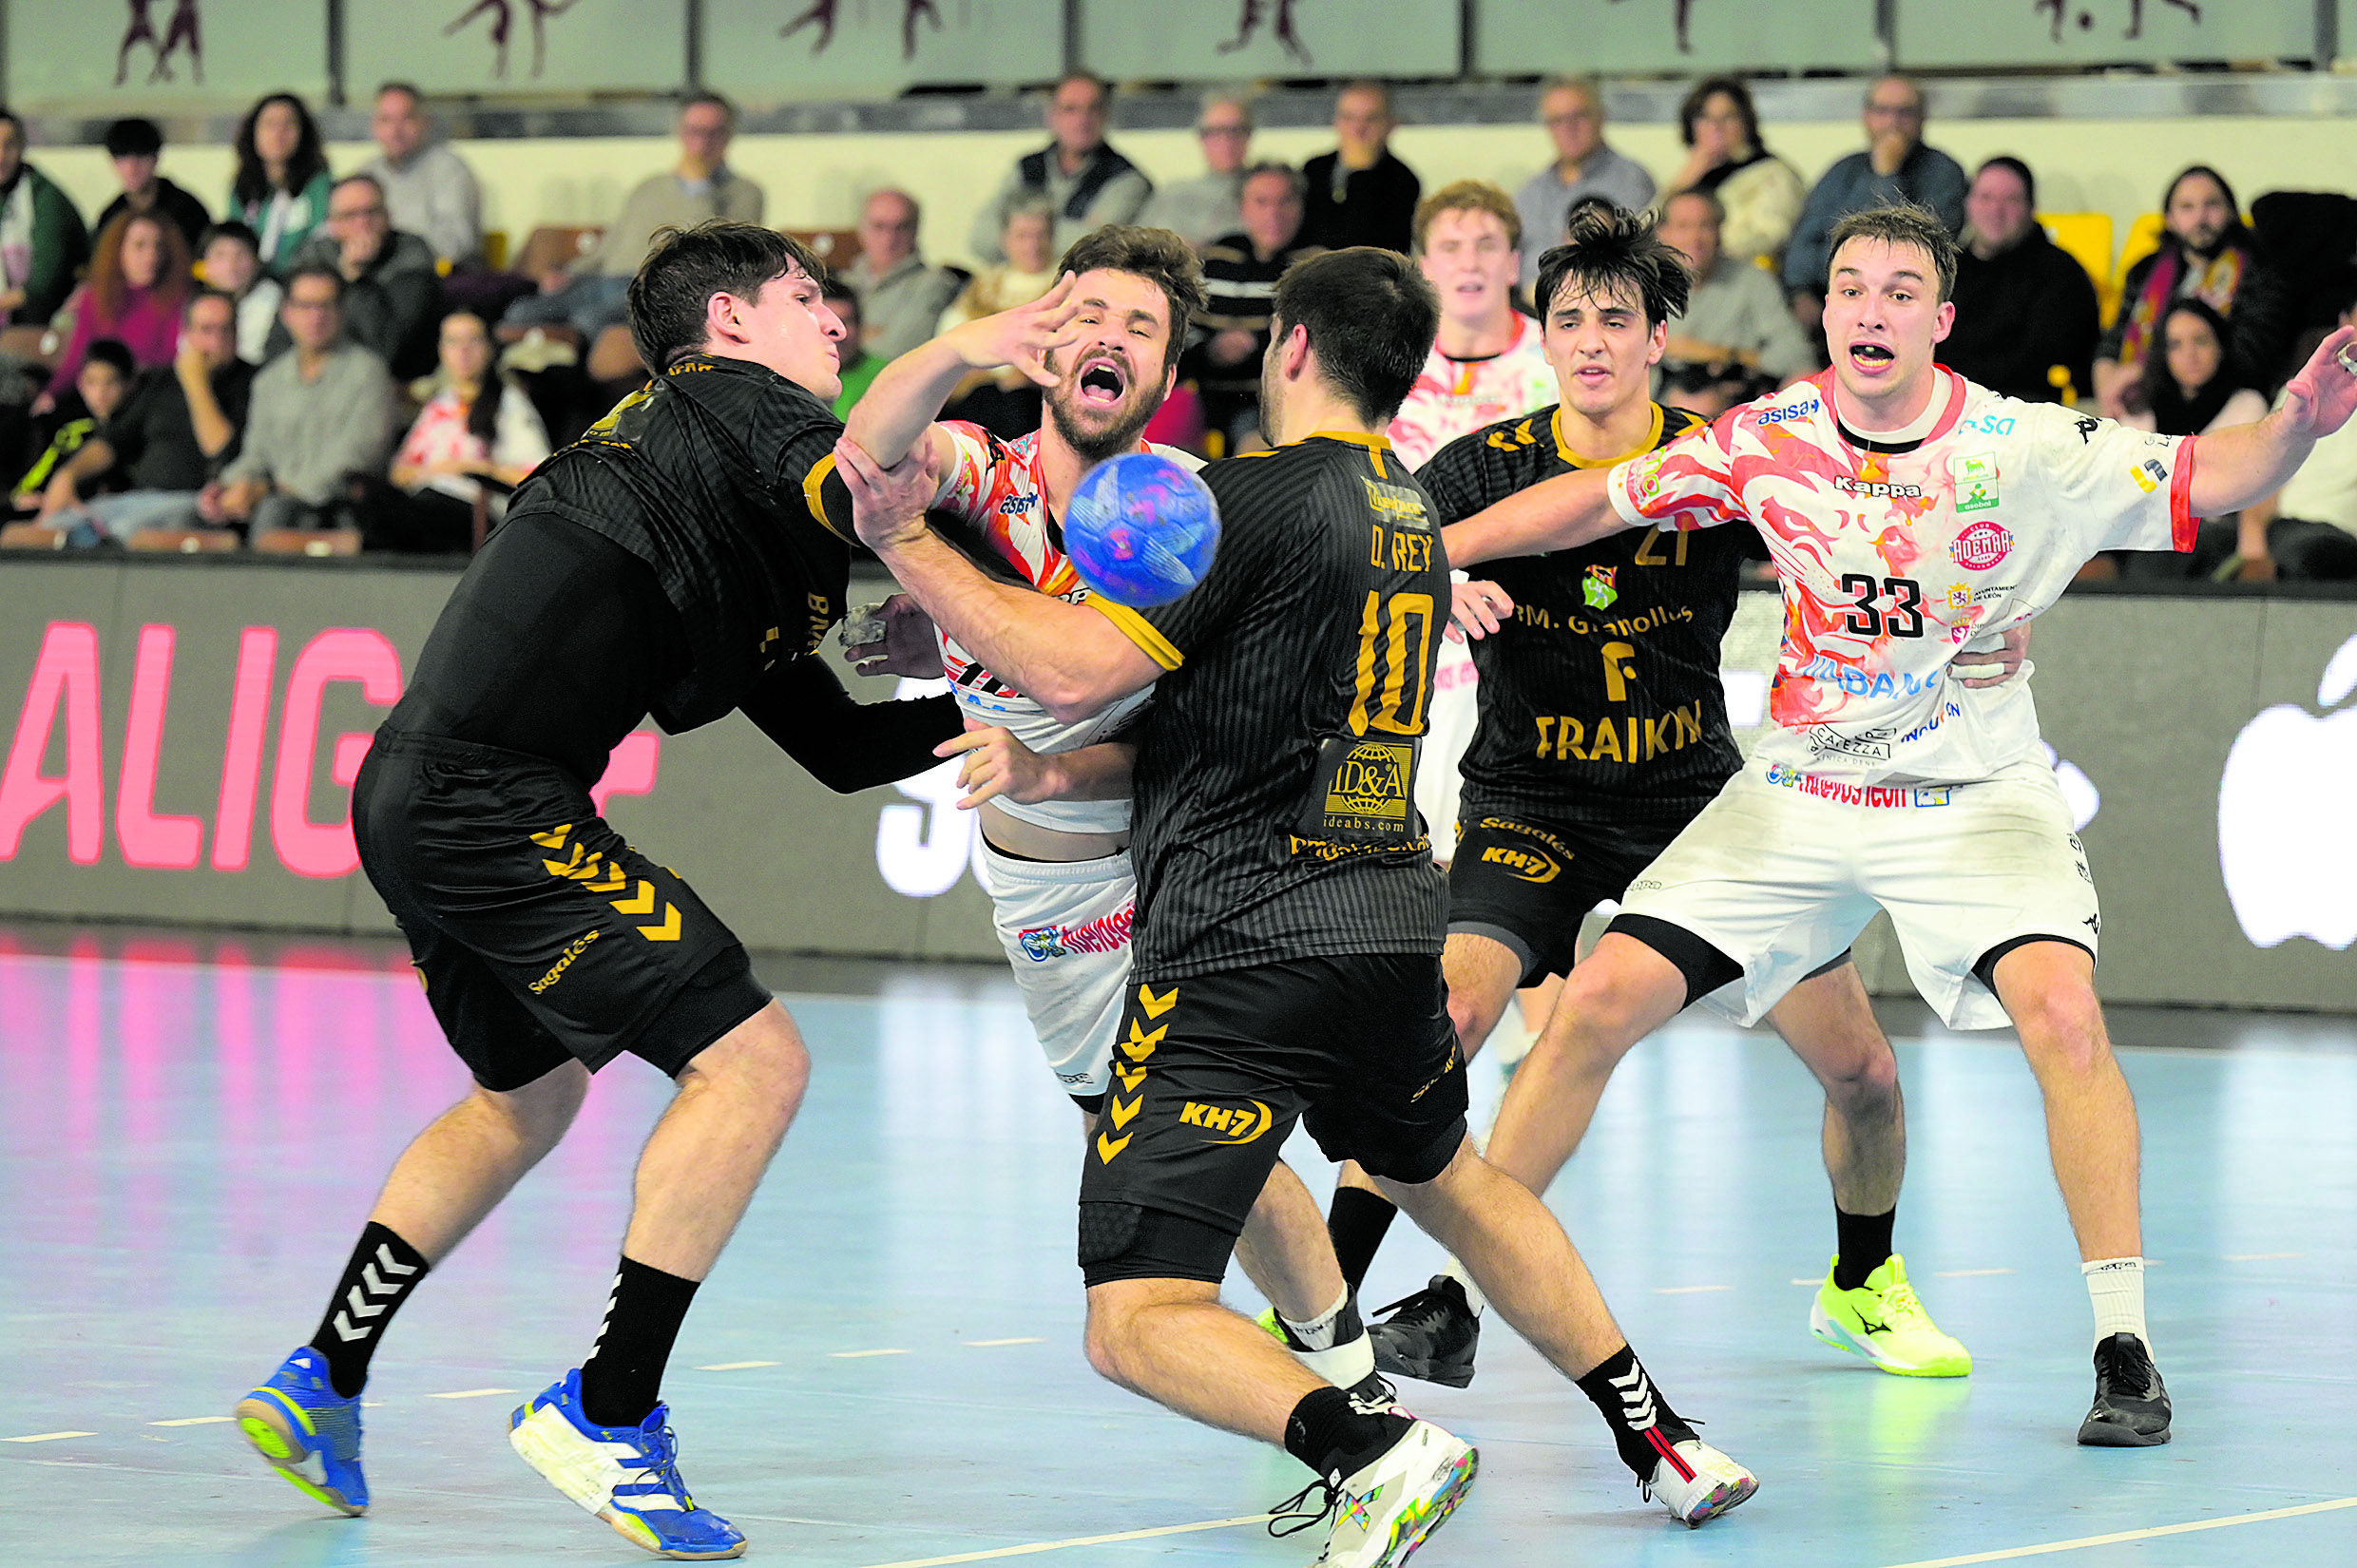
(1884, 1322)
(1383, 1511)
(627, 1476)
(2130, 1403)
(1430, 1336)
(310, 1432)
(1696, 1482)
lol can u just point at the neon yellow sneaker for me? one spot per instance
(1882, 1320)
(1268, 1325)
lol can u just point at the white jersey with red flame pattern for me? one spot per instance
(1454, 397)
(1893, 555)
(995, 487)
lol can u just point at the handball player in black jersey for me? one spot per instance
(1603, 732)
(1291, 921)
(683, 559)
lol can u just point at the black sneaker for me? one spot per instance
(2130, 1403)
(1430, 1336)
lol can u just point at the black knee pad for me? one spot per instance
(1124, 1241)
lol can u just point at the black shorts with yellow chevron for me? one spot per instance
(540, 935)
(1210, 1073)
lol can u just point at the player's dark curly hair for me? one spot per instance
(686, 267)
(1899, 223)
(1370, 316)
(1158, 255)
(1615, 254)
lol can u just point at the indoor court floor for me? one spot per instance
(886, 1369)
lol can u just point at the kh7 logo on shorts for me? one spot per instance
(1237, 1124)
(1982, 545)
(1527, 864)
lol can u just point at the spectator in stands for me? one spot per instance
(859, 367)
(1760, 192)
(319, 414)
(281, 184)
(1485, 364)
(1361, 194)
(2193, 386)
(1572, 108)
(138, 280)
(587, 296)
(99, 385)
(476, 438)
(429, 189)
(1087, 184)
(1240, 271)
(1737, 337)
(1897, 165)
(1005, 401)
(175, 431)
(2306, 530)
(2205, 254)
(1202, 209)
(42, 240)
(135, 145)
(391, 291)
(900, 297)
(233, 264)
(2023, 305)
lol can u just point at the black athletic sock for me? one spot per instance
(621, 1382)
(383, 1271)
(1357, 1223)
(1862, 1245)
(1335, 1438)
(1644, 1428)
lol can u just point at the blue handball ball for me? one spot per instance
(1141, 529)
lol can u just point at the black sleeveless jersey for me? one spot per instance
(1601, 701)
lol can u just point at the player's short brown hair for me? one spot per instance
(1372, 318)
(1615, 254)
(686, 267)
(1470, 196)
(1158, 255)
(1899, 223)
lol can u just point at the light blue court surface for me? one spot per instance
(886, 1367)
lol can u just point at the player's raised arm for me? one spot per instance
(1560, 514)
(906, 395)
(2234, 467)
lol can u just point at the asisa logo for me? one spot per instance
(1785, 415)
(1982, 545)
(1015, 505)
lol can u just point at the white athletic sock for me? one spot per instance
(2116, 1286)
(1345, 1364)
(1319, 1333)
(1472, 1292)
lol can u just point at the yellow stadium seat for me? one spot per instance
(2143, 239)
(496, 250)
(2086, 238)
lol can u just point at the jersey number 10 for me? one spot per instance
(1904, 619)
(1385, 665)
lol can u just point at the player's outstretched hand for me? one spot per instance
(1997, 665)
(894, 638)
(1480, 608)
(888, 504)
(2320, 399)
(998, 764)
(1024, 336)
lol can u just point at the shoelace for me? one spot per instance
(1431, 1307)
(661, 1470)
(1900, 1301)
(1296, 1515)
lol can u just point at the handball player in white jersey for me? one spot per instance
(1908, 511)
(1053, 797)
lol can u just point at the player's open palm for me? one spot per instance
(2321, 399)
(1024, 336)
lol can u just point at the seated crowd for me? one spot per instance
(325, 358)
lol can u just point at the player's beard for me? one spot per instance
(1094, 445)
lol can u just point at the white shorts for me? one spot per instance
(1783, 870)
(1065, 928)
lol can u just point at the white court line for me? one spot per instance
(858, 1355)
(992, 1343)
(190, 1421)
(1969, 1273)
(473, 1394)
(2260, 1258)
(47, 1437)
(1819, 1280)
(734, 1365)
(2151, 1534)
(1692, 1290)
(1077, 1541)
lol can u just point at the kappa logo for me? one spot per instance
(1230, 1124)
(1529, 865)
(1877, 490)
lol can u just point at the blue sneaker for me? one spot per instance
(627, 1476)
(301, 1424)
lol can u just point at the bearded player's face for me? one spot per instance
(1115, 373)
(789, 328)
